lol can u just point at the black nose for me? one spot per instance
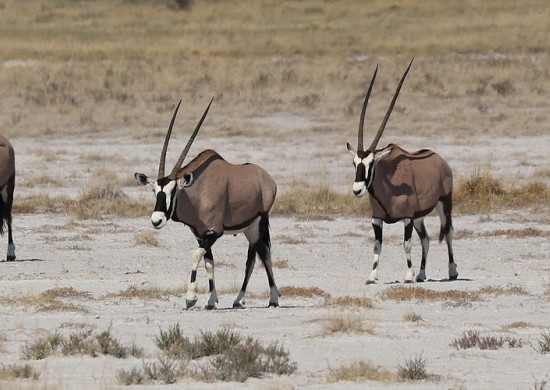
(356, 193)
(155, 224)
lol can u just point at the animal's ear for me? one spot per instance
(186, 180)
(142, 179)
(351, 149)
(381, 154)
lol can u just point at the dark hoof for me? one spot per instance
(238, 306)
(370, 282)
(453, 277)
(273, 304)
(10, 258)
(420, 280)
(190, 303)
(408, 281)
(210, 307)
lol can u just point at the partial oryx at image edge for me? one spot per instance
(214, 197)
(7, 185)
(403, 186)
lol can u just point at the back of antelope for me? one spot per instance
(403, 186)
(7, 185)
(214, 197)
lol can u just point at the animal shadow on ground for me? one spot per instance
(18, 260)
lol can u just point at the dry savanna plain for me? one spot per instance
(96, 297)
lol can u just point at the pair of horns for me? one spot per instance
(372, 146)
(183, 154)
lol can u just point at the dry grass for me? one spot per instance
(317, 202)
(405, 293)
(361, 371)
(15, 371)
(483, 192)
(148, 238)
(411, 316)
(52, 300)
(147, 293)
(302, 292)
(344, 321)
(351, 301)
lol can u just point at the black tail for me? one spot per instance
(263, 246)
(447, 209)
(6, 204)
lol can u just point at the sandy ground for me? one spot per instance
(101, 257)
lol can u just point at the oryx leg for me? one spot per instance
(377, 225)
(7, 203)
(205, 243)
(407, 245)
(425, 240)
(250, 260)
(259, 243)
(444, 208)
(209, 265)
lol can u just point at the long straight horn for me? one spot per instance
(188, 146)
(372, 147)
(363, 111)
(166, 141)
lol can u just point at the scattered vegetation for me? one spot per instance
(543, 344)
(15, 371)
(360, 371)
(229, 357)
(473, 338)
(53, 299)
(302, 292)
(345, 322)
(134, 291)
(95, 202)
(147, 237)
(405, 293)
(412, 317)
(414, 369)
(79, 343)
(483, 192)
(351, 301)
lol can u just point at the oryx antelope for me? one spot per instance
(7, 185)
(214, 197)
(403, 186)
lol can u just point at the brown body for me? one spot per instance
(7, 186)
(408, 185)
(237, 194)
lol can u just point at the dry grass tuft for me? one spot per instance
(148, 238)
(317, 202)
(414, 369)
(412, 317)
(99, 201)
(361, 371)
(404, 293)
(16, 371)
(147, 293)
(517, 233)
(481, 191)
(345, 322)
(302, 292)
(473, 338)
(351, 301)
(517, 325)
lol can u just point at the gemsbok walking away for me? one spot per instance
(403, 186)
(7, 185)
(214, 197)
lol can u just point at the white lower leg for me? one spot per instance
(373, 277)
(192, 287)
(410, 272)
(209, 265)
